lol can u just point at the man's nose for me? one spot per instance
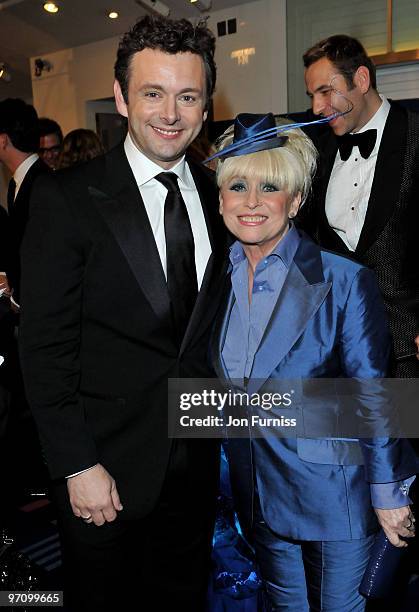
(169, 112)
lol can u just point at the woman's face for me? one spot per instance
(257, 212)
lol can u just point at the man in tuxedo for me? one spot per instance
(364, 200)
(19, 143)
(131, 251)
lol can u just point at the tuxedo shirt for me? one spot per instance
(350, 184)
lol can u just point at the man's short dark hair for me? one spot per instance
(346, 53)
(170, 36)
(49, 126)
(20, 122)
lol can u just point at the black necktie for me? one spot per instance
(11, 193)
(365, 141)
(180, 254)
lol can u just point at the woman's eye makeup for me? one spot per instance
(237, 186)
(268, 187)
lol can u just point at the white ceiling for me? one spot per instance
(26, 30)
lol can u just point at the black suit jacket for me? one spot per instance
(97, 341)
(387, 239)
(18, 214)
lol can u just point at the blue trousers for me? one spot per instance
(302, 576)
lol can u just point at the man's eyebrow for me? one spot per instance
(319, 89)
(151, 86)
(160, 88)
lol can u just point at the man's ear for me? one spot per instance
(3, 140)
(362, 79)
(121, 105)
(204, 116)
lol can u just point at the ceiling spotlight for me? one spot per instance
(4, 73)
(113, 15)
(155, 6)
(202, 5)
(50, 7)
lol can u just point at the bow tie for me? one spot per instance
(365, 141)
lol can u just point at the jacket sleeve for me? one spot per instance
(365, 350)
(54, 253)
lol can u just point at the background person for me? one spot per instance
(309, 506)
(364, 202)
(79, 146)
(50, 141)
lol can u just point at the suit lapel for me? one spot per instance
(387, 178)
(215, 274)
(122, 208)
(298, 302)
(220, 331)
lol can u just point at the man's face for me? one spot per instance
(49, 149)
(166, 103)
(329, 92)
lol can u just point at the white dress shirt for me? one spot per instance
(22, 170)
(154, 194)
(350, 184)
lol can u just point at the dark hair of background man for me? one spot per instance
(346, 53)
(20, 122)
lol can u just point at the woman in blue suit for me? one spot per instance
(310, 507)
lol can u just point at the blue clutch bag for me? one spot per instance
(382, 567)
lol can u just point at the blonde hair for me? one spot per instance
(290, 167)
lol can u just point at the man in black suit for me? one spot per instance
(115, 311)
(19, 143)
(364, 202)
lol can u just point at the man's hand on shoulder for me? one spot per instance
(93, 496)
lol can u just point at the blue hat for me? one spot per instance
(252, 133)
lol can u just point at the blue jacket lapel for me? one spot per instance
(297, 303)
(303, 293)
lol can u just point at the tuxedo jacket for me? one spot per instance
(18, 214)
(388, 238)
(97, 339)
(328, 322)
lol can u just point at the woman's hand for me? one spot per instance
(395, 523)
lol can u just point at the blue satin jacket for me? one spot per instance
(329, 322)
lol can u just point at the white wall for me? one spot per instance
(84, 74)
(78, 76)
(260, 85)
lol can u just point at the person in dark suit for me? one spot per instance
(19, 143)
(132, 254)
(364, 203)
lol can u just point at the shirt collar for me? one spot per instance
(285, 249)
(22, 169)
(144, 169)
(378, 120)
